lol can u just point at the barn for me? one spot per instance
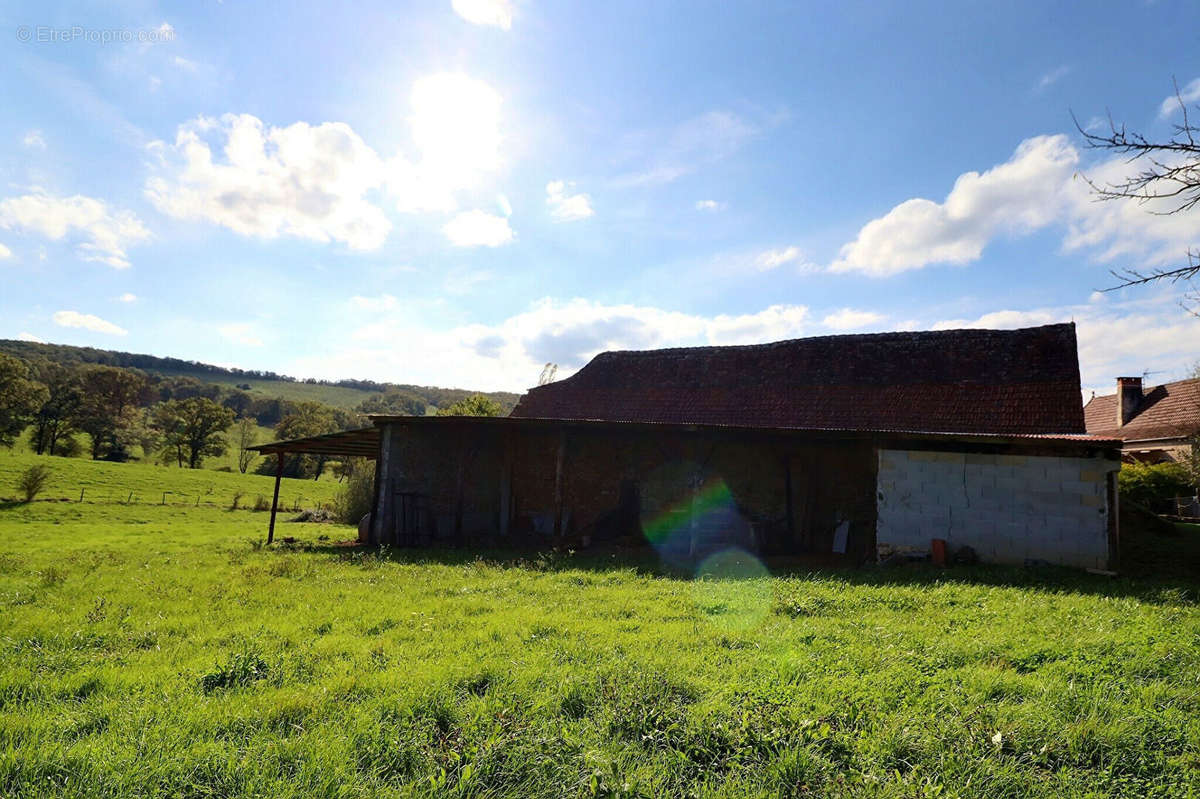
(849, 448)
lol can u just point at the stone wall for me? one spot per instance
(1008, 508)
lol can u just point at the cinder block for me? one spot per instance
(1012, 460)
(1046, 497)
(1093, 501)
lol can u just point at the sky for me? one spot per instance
(456, 193)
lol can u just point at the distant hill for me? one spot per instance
(340, 393)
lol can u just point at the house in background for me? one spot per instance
(841, 448)
(1154, 426)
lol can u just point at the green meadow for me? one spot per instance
(151, 649)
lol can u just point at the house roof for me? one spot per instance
(952, 381)
(1171, 410)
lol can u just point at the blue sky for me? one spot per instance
(455, 193)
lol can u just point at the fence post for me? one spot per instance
(275, 498)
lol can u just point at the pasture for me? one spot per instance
(152, 649)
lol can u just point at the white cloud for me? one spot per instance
(1050, 78)
(34, 140)
(464, 281)
(186, 64)
(1114, 338)
(709, 205)
(695, 142)
(772, 259)
(87, 322)
(497, 13)
(567, 207)
(104, 234)
(5, 252)
(852, 319)
(1034, 189)
(478, 229)
(774, 323)
(127, 297)
(322, 182)
(1019, 195)
(384, 302)
(510, 354)
(240, 333)
(307, 181)
(1189, 94)
(23, 336)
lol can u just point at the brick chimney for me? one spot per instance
(1129, 398)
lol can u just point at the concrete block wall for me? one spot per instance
(1008, 508)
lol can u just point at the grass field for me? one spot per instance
(228, 460)
(150, 650)
(337, 396)
(104, 483)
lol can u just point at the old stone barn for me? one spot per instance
(848, 447)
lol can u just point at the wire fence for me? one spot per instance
(206, 499)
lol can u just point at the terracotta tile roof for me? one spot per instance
(954, 381)
(1171, 410)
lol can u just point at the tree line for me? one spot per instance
(179, 420)
(71, 355)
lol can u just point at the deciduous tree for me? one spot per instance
(245, 436)
(55, 420)
(474, 405)
(20, 398)
(108, 392)
(193, 428)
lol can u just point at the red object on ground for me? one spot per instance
(939, 552)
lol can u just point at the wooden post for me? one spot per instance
(791, 517)
(505, 485)
(459, 481)
(382, 526)
(275, 498)
(558, 483)
(1114, 524)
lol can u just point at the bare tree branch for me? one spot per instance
(1168, 175)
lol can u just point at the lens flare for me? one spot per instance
(712, 497)
(732, 590)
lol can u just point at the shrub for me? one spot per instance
(237, 498)
(1154, 485)
(33, 480)
(261, 503)
(354, 499)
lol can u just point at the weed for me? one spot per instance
(241, 669)
(52, 576)
(33, 480)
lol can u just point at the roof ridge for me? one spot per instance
(1146, 389)
(881, 335)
